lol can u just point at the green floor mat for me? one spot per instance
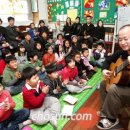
(82, 97)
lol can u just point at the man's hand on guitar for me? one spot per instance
(107, 73)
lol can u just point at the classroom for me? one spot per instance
(64, 65)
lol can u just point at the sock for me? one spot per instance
(20, 126)
(27, 122)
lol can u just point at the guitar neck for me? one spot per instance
(122, 66)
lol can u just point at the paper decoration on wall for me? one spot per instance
(121, 2)
(103, 15)
(88, 13)
(88, 3)
(104, 5)
(67, 4)
(72, 13)
(76, 3)
(71, 3)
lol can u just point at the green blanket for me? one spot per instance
(82, 97)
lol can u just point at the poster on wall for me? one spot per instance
(72, 13)
(103, 15)
(104, 5)
(121, 2)
(88, 3)
(88, 13)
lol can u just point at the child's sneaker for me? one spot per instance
(105, 124)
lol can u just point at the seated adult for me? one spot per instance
(118, 94)
(88, 31)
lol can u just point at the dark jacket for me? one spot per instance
(67, 29)
(43, 29)
(99, 33)
(11, 36)
(89, 29)
(32, 32)
(29, 46)
(3, 32)
(40, 54)
(76, 29)
(53, 85)
(80, 66)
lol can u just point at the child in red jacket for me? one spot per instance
(70, 77)
(43, 109)
(11, 119)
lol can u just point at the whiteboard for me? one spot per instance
(123, 17)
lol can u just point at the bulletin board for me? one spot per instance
(98, 9)
(102, 9)
(60, 9)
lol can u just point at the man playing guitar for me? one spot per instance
(117, 95)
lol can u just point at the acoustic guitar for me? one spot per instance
(120, 73)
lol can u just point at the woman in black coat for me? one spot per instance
(67, 29)
(99, 31)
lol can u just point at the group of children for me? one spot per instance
(43, 70)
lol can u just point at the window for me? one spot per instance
(19, 9)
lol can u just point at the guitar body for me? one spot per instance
(121, 78)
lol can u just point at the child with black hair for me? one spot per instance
(52, 79)
(70, 77)
(33, 31)
(28, 43)
(6, 52)
(39, 49)
(59, 55)
(75, 44)
(11, 119)
(49, 56)
(60, 39)
(51, 42)
(35, 63)
(43, 109)
(67, 47)
(85, 54)
(12, 78)
(82, 69)
(21, 56)
(100, 53)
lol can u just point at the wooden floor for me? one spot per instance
(94, 103)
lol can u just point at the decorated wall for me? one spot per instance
(98, 9)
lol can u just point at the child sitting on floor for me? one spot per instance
(49, 56)
(11, 119)
(39, 49)
(35, 63)
(82, 69)
(100, 53)
(67, 47)
(21, 56)
(92, 70)
(12, 79)
(59, 56)
(70, 77)
(60, 39)
(43, 109)
(53, 81)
